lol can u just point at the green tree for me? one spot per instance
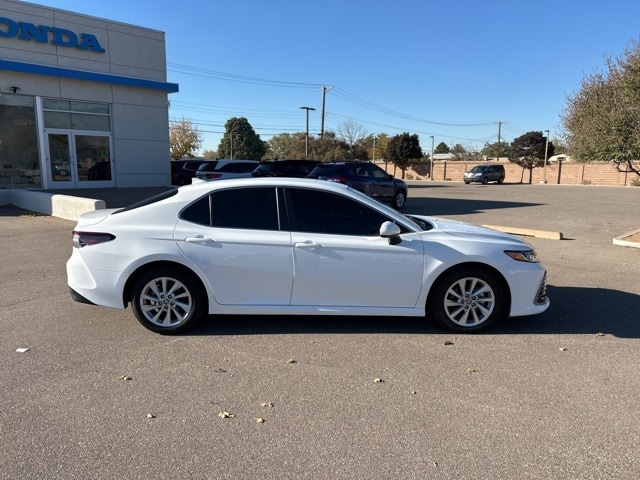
(459, 151)
(241, 141)
(602, 119)
(286, 146)
(442, 148)
(402, 148)
(528, 151)
(491, 149)
(329, 148)
(184, 139)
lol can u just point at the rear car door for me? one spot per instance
(233, 237)
(340, 259)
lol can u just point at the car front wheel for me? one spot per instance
(468, 300)
(399, 199)
(167, 301)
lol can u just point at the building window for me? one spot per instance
(73, 115)
(19, 162)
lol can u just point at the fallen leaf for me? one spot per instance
(226, 415)
(290, 361)
(150, 415)
(599, 334)
(259, 420)
(125, 378)
(471, 370)
(563, 349)
(378, 380)
(267, 404)
(448, 342)
(22, 350)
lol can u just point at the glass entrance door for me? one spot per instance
(78, 159)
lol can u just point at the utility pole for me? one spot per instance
(431, 169)
(546, 150)
(324, 94)
(306, 138)
(499, 128)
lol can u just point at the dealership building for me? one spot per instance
(84, 101)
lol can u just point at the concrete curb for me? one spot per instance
(528, 232)
(620, 240)
(62, 206)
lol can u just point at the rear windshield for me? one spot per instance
(326, 170)
(149, 201)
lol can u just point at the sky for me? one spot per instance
(461, 71)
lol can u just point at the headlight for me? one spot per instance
(530, 256)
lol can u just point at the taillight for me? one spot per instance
(338, 179)
(86, 239)
(213, 175)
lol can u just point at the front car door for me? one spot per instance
(341, 260)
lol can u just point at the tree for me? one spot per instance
(351, 132)
(491, 149)
(402, 148)
(241, 141)
(286, 146)
(212, 154)
(459, 151)
(442, 148)
(184, 139)
(602, 119)
(528, 151)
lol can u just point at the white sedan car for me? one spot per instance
(296, 246)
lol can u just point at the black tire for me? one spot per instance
(167, 301)
(399, 199)
(467, 300)
(500, 180)
(485, 180)
(467, 183)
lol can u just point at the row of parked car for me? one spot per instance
(363, 176)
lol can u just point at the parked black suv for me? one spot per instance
(365, 177)
(484, 174)
(285, 168)
(182, 171)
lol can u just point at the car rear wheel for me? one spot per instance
(500, 180)
(167, 301)
(399, 199)
(485, 180)
(468, 300)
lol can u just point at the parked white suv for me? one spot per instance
(224, 169)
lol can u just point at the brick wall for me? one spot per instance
(559, 173)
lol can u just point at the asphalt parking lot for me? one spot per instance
(549, 396)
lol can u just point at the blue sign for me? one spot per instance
(60, 37)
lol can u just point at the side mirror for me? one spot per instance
(391, 231)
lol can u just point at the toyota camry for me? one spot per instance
(279, 246)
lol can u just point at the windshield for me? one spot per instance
(477, 169)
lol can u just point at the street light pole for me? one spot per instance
(431, 169)
(546, 150)
(306, 138)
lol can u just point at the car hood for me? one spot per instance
(472, 232)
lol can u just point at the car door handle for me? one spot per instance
(309, 244)
(199, 239)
